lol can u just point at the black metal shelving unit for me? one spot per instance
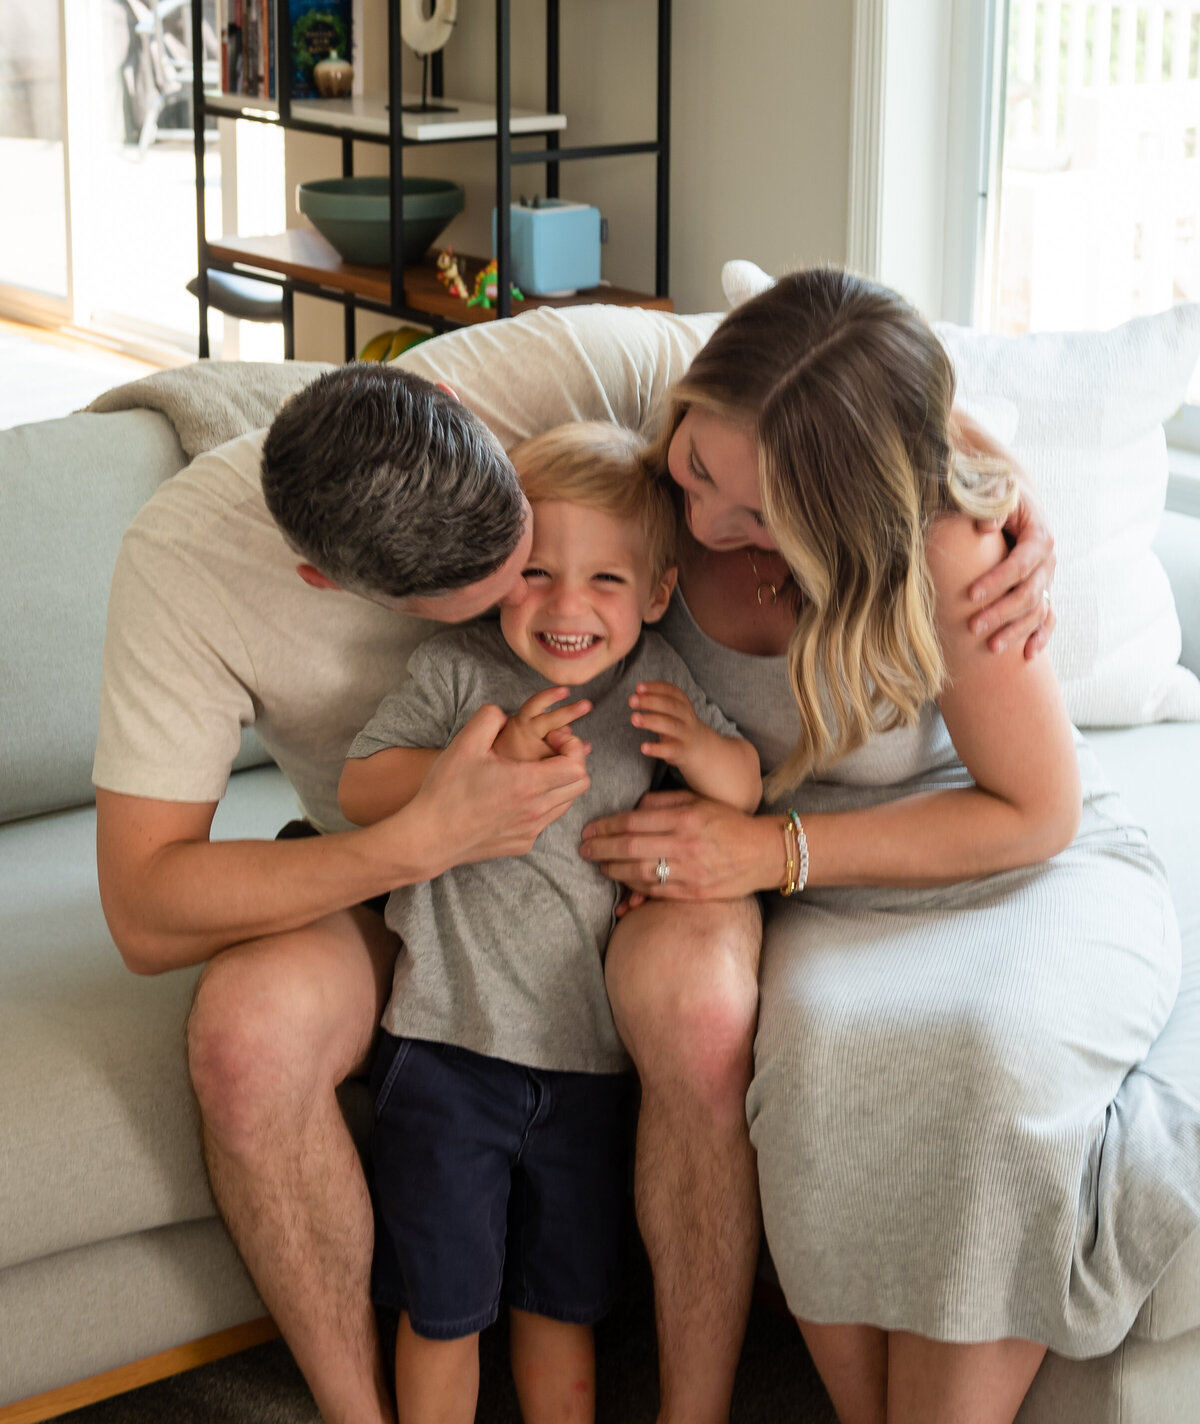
(551, 154)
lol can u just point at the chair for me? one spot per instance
(169, 60)
(250, 300)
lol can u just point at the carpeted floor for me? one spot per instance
(776, 1382)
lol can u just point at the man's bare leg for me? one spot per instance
(684, 988)
(277, 1024)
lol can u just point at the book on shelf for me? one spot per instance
(319, 28)
(246, 29)
(249, 54)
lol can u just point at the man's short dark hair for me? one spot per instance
(388, 485)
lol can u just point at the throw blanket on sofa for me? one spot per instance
(210, 402)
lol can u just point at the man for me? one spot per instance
(215, 622)
(210, 629)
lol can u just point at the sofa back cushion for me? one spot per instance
(68, 488)
(1091, 407)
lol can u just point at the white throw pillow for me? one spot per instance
(1090, 412)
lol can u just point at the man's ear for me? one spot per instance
(315, 578)
(450, 391)
(661, 596)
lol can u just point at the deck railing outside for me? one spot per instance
(1100, 189)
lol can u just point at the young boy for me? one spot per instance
(502, 1090)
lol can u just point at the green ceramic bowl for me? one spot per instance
(353, 214)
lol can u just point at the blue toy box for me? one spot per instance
(555, 247)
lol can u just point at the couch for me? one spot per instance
(110, 1250)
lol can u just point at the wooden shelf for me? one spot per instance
(305, 256)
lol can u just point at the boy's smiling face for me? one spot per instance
(588, 592)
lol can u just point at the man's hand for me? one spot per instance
(477, 803)
(540, 730)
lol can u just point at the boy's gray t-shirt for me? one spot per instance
(506, 957)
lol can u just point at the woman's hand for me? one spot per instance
(712, 851)
(1016, 593)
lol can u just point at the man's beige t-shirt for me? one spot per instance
(210, 628)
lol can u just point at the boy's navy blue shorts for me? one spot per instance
(495, 1182)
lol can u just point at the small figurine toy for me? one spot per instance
(487, 286)
(449, 275)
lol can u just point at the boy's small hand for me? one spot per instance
(662, 708)
(540, 730)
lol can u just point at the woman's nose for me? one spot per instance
(706, 522)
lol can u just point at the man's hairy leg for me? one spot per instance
(276, 1025)
(683, 982)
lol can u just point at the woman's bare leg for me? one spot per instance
(437, 1381)
(276, 1025)
(852, 1361)
(930, 1382)
(554, 1369)
(895, 1377)
(683, 982)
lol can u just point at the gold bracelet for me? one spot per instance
(791, 856)
(801, 850)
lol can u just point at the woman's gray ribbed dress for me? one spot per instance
(953, 1134)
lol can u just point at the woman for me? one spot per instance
(949, 1121)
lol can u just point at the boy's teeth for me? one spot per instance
(572, 643)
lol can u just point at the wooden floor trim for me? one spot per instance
(139, 1372)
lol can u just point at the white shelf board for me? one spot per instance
(239, 104)
(368, 114)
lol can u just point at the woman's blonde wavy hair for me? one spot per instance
(849, 395)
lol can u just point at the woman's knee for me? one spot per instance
(684, 989)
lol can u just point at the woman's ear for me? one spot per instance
(661, 596)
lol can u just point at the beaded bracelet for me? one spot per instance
(795, 850)
(802, 844)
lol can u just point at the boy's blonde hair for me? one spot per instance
(602, 467)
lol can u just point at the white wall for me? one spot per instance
(759, 137)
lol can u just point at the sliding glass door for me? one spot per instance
(97, 172)
(34, 248)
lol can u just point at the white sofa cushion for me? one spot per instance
(1091, 407)
(100, 1136)
(1157, 770)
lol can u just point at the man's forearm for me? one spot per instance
(192, 898)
